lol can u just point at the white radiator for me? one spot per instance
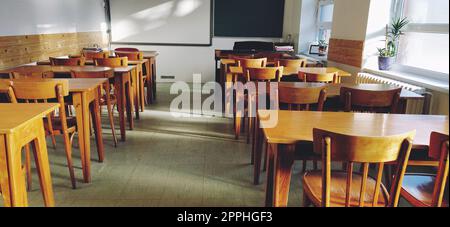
(422, 106)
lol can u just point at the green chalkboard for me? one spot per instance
(248, 18)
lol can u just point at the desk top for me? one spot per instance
(89, 62)
(75, 85)
(67, 69)
(334, 90)
(296, 126)
(81, 85)
(13, 116)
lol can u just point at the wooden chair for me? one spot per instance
(68, 61)
(318, 78)
(303, 99)
(132, 56)
(90, 55)
(240, 74)
(31, 74)
(111, 62)
(292, 63)
(7, 90)
(126, 49)
(329, 188)
(385, 101)
(258, 75)
(51, 91)
(428, 190)
(108, 99)
(294, 98)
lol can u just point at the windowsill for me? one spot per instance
(415, 79)
(314, 57)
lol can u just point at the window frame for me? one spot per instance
(397, 10)
(323, 25)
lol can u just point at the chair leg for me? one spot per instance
(306, 201)
(68, 147)
(50, 129)
(28, 167)
(266, 154)
(315, 165)
(110, 113)
(304, 166)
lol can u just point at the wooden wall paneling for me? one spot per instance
(349, 52)
(17, 50)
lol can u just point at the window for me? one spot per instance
(425, 44)
(324, 20)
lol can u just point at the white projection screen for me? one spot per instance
(161, 22)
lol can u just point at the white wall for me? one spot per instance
(350, 20)
(292, 20)
(308, 24)
(183, 61)
(379, 16)
(29, 17)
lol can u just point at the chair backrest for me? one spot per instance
(111, 62)
(94, 54)
(92, 74)
(365, 150)
(292, 63)
(32, 73)
(44, 90)
(318, 78)
(132, 56)
(6, 88)
(252, 63)
(265, 74)
(40, 90)
(383, 101)
(68, 61)
(301, 98)
(126, 49)
(439, 150)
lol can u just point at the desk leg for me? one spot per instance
(82, 115)
(119, 85)
(257, 152)
(281, 160)
(4, 173)
(95, 113)
(154, 78)
(141, 88)
(43, 167)
(135, 87)
(149, 82)
(129, 101)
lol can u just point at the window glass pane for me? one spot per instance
(326, 13)
(425, 50)
(427, 11)
(324, 34)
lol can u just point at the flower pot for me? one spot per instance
(385, 63)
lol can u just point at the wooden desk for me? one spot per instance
(297, 126)
(140, 65)
(85, 95)
(316, 70)
(21, 124)
(123, 79)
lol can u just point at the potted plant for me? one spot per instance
(386, 57)
(323, 46)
